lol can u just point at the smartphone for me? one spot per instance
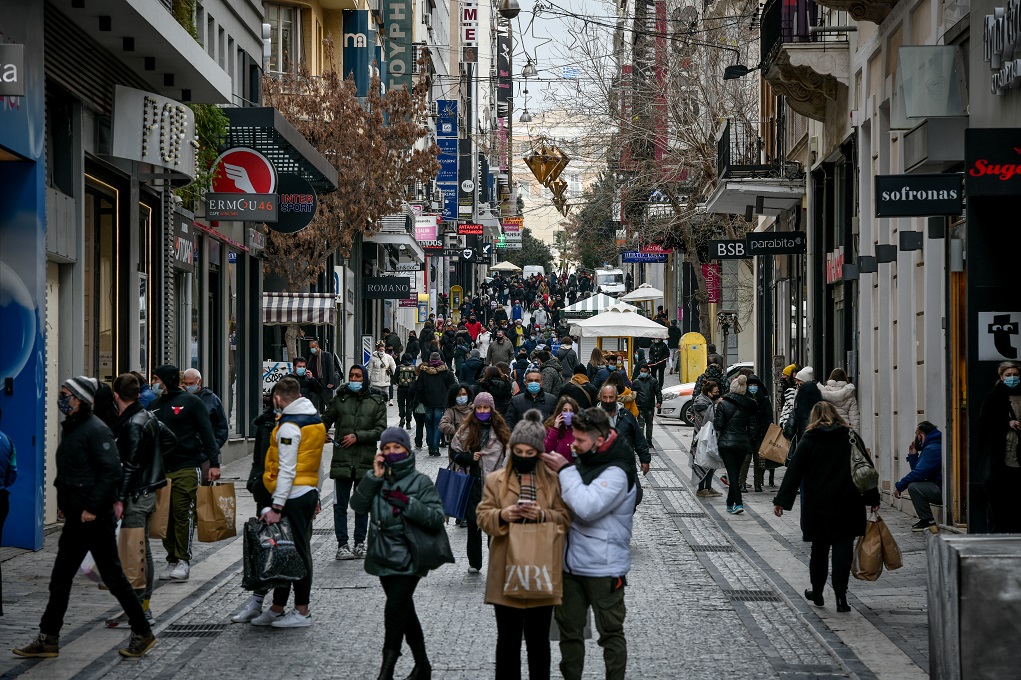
(523, 502)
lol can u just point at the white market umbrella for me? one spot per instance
(618, 322)
(505, 267)
(643, 292)
(594, 304)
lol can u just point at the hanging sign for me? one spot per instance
(998, 335)
(776, 243)
(152, 129)
(298, 204)
(469, 230)
(992, 161)
(919, 195)
(386, 288)
(242, 207)
(645, 258)
(728, 250)
(713, 283)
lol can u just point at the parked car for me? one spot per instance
(678, 399)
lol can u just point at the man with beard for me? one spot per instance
(500, 350)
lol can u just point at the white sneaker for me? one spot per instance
(165, 575)
(344, 553)
(267, 618)
(293, 619)
(472, 570)
(252, 609)
(359, 551)
(180, 572)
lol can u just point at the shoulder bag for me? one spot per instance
(863, 472)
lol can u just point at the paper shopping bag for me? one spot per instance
(534, 570)
(891, 551)
(775, 446)
(131, 550)
(868, 553)
(216, 512)
(161, 515)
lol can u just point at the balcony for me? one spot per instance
(805, 54)
(862, 10)
(752, 172)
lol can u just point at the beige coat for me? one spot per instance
(488, 518)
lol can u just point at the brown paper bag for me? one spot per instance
(868, 553)
(131, 550)
(216, 512)
(891, 551)
(534, 569)
(161, 515)
(775, 446)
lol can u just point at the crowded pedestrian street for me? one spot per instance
(710, 595)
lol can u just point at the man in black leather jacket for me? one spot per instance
(141, 441)
(88, 475)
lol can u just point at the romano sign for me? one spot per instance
(919, 195)
(386, 288)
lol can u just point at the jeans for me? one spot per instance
(924, 494)
(341, 498)
(300, 512)
(404, 404)
(733, 458)
(474, 545)
(137, 514)
(433, 415)
(534, 624)
(606, 597)
(400, 622)
(99, 538)
(184, 486)
(843, 552)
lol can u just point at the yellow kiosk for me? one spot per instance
(622, 323)
(694, 356)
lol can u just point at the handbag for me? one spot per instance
(775, 446)
(429, 549)
(707, 451)
(455, 489)
(270, 558)
(533, 569)
(389, 549)
(863, 472)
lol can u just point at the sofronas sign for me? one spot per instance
(919, 195)
(992, 161)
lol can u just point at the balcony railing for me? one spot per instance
(741, 150)
(792, 21)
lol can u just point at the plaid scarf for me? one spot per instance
(527, 492)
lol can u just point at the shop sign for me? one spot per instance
(12, 70)
(184, 244)
(426, 227)
(148, 128)
(409, 267)
(410, 302)
(469, 31)
(386, 287)
(513, 225)
(998, 335)
(919, 195)
(992, 161)
(656, 248)
(728, 250)
(242, 207)
(256, 239)
(446, 119)
(400, 57)
(243, 171)
(713, 283)
(835, 265)
(469, 230)
(298, 204)
(776, 243)
(1001, 38)
(644, 258)
(431, 245)
(447, 159)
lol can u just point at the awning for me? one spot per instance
(299, 308)
(593, 305)
(411, 247)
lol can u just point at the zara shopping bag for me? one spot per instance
(775, 446)
(534, 567)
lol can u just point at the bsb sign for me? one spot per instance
(759, 243)
(992, 161)
(919, 195)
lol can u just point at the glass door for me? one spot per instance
(101, 275)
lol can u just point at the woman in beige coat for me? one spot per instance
(523, 490)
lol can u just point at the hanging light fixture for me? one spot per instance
(509, 9)
(526, 117)
(529, 71)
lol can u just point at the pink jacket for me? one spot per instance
(560, 440)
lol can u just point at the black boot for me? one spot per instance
(815, 597)
(842, 605)
(422, 670)
(386, 671)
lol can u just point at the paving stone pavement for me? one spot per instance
(702, 603)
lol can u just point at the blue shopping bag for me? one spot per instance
(455, 490)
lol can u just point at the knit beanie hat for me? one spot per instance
(789, 371)
(807, 374)
(396, 435)
(169, 376)
(484, 399)
(530, 431)
(83, 387)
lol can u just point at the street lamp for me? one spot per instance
(529, 71)
(509, 9)
(526, 117)
(735, 71)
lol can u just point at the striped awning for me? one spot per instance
(591, 306)
(301, 308)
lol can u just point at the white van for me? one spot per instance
(531, 270)
(610, 282)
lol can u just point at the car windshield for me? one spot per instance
(603, 279)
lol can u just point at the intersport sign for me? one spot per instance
(919, 195)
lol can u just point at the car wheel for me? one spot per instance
(687, 414)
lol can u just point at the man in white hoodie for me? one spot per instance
(601, 490)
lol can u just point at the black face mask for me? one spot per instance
(609, 407)
(524, 464)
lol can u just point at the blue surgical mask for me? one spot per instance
(64, 404)
(461, 401)
(643, 374)
(192, 389)
(313, 350)
(534, 387)
(1012, 381)
(300, 370)
(354, 386)
(753, 389)
(611, 367)
(157, 388)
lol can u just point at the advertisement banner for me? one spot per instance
(713, 287)
(426, 227)
(448, 160)
(400, 55)
(359, 47)
(513, 225)
(466, 177)
(446, 119)
(504, 90)
(449, 201)
(634, 256)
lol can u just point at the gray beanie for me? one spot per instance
(396, 435)
(83, 387)
(530, 431)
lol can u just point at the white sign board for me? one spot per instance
(272, 372)
(998, 338)
(152, 129)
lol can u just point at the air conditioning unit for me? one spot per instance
(427, 17)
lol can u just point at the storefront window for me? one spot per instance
(100, 275)
(144, 265)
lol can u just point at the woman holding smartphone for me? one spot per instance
(524, 490)
(559, 433)
(480, 447)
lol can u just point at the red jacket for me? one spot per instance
(474, 330)
(559, 440)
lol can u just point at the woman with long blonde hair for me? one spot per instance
(832, 508)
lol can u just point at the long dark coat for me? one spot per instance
(832, 510)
